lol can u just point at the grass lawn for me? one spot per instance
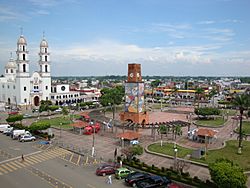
(55, 122)
(211, 122)
(229, 152)
(245, 127)
(168, 149)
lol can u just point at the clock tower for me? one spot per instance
(134, 92)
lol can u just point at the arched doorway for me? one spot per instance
(8, 101)
(36, 101)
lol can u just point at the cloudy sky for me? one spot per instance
(100, 37)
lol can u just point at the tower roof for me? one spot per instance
(44, 43)
(21, 40)
(11, 64)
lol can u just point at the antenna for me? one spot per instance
(43, 34)
(21, 30)
(11, 55)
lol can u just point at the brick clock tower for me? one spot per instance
(134, 92)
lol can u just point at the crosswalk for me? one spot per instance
(18, 163)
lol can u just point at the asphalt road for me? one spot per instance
(45, 167)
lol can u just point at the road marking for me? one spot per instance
(20, 163)
(79, 157)
(91, 186)
(3, 170)
(13, 163)
(11, 166)
(36, 158)
(28, 162)
(71, 157)
(7, 168)
(32, 160)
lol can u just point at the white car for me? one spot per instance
(25, 138)
(58, 110)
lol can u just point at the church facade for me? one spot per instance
(20, 87)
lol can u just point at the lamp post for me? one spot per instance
(93, 143)
(175, 158)
(60, 130)
(122, 142)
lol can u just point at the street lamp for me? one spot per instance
(93, 143)
(122, 142)
(60, 130)
(175, 157)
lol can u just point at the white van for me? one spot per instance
(3, 127)
(17, 133)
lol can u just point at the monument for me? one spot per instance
(134, 110)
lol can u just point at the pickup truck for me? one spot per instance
(153, 181)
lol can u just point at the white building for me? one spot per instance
(19, 86)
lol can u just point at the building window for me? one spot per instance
(2, 86)
(24, 57)
(24, 68)
(24, 48)
(47, 98)
(52, 97)
(6, 70)
(46, 58)
(24, 88)
(25, 100)
(45, 50)
(46, 87)
(41, 68)
(14, 87)
(11, 70)
(46, 68)
(8, 87)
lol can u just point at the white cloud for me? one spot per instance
(7, 14)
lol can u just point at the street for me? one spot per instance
(46, 166)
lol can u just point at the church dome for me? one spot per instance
(11, 64)
(21, 40)
(44, 43)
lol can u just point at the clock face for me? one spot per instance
(131, 75)
(138, 74)
(63, 88)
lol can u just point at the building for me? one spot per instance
(135, 110)
(19, 86)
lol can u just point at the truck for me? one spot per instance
(17, 133)
(3, 127)
(8, 130)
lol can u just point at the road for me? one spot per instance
(46, 166)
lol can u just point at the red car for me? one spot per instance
(173, 185)
(104, 170)
(13, 113)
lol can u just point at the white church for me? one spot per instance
(18, 86)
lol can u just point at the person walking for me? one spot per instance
(22, 158)
(109, 179)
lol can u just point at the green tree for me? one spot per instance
(132, 151)
(14, 118)
(206, 111)
(37, 126)
(198, 92)
(242, 102)
(226, 174)
(45, 106)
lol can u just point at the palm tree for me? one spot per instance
(242, 102)
(199, 91)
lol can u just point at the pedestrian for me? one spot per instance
(109, 179)
(115, 153)
(22, 158)
(231, 134)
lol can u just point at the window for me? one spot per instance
(25, 100)
(11, 70)
(24, 88)
(6, 70)
(46, 58)
(8, 87)
(2, 86)
(24, 68)
(24, 48)
(46, 87)
(46, 68)
(41, 68)
(14, 87)
(47, 98)
(52, 97)
(45, 50)
(24, 57)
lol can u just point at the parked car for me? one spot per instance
(132, 178)
(173, 185)
(27, 116)
(153, 181)
(122, 173)
(3, 127)
(25, 138)
(13, 112)
(58, 110)
(35, 110)
(105, 170)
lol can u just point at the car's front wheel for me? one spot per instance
(133, 185)
(103, 174)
